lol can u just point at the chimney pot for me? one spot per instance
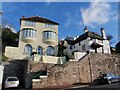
(85, 29)
(23, 17)
(103, 33)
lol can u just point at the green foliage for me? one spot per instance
(9, 38)
(4, 58)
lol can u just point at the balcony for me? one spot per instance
(28, 35)
(49, 37)
(28, 39)
(49, 40)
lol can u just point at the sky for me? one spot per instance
(71, 16)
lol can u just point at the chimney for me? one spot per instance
(85, 29)
(103, 33)
(23, 17)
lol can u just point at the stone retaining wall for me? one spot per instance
(85, 70)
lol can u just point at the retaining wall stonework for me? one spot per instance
(82, 71)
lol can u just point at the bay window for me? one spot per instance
(28, 32)
(49, 35)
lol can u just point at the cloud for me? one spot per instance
(73, 19)
(97, 13)
(68, 22)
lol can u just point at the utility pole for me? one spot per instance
(1, 12)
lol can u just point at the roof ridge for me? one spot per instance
(39, 19)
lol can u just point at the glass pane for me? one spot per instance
(40, 50)
(50, 50)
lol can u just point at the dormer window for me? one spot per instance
(30, 23)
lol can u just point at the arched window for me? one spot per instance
(50, 50)
(28, 49)
(40, 50)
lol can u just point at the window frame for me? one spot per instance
(48, 51)
(49, 34)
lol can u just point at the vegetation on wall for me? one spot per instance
(4, 58)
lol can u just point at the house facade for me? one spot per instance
(38, 36)
(88, 42)
(38, 40)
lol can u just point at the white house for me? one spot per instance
(87, 42)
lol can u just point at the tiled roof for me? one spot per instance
(39, 19)
(85, 36)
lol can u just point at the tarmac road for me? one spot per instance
(113, 86)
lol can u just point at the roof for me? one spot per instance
(85, 36)
(39, 19)
(71, 42)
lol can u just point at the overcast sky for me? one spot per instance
(72, 17)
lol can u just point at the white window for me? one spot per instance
(50, 50)
(28, 32)
(28, 49)
(47, 25)
(30, 23)
(49, 35)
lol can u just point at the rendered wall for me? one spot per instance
(53, 60)
(14, 53)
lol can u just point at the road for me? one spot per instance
(114, 86)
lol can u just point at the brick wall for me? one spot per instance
(82, 71)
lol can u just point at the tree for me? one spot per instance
(9, 38)
(117, 46)
(110, 38)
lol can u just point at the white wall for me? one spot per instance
(53, 60)
(79, 48)
(106, 47)
(14, 53)
(87, 42)
(79, 55)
